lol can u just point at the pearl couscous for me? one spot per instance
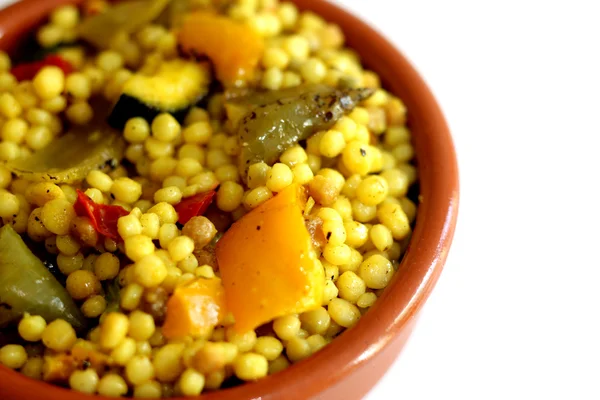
(193, 197)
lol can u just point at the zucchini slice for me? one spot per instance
(176, 86)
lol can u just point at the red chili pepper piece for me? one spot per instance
(27, 71)
(104, 218)
(193, 206)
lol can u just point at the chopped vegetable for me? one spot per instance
(267, 262)
(276, 121)
(195, 308)
(194, 206)
(27, 71)
(127, 16)
(175, 87)
(104, 217)
(27, 286)
(233, 47)
(58, 368)
(69, 158)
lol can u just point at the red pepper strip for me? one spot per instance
(193, 206)
(27, 71)
(104, 218)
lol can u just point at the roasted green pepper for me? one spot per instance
(128, 17)
(275, 121)
(69, 158)
(27, 286)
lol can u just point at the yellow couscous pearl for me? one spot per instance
(272, 79)
(332, 143)
(9, 106)
(106, 266)
(49, 82)
(138, 247)
(150, 225)
(350, 286)
(165, 127)
(243, 341)
(9, 204)
(65, 16)
(297, 47)
(343, 312)
(84, 381)
(167, 233)
(69, 264)
(150, 271)
(96, 195)
(139, 369)
(99, 180)
(148, 390)
(329, 214)
(38, 137)
(113, 329)
(94, 306)
(395, 219)
(362, 212)
(9, 151)
(230, 196)
(275, 57)
(372, 190)
(188, 167)
(191, 382)
(109, 61)
(131, 295)
(124, 351)
(129, 225)
(59, 335)
(180, 248)
(279, 177)
(57, 215)
(381, 237)
(162, 167)
(5, 177)
(174, 180)
(14, 130)
(297, 349)
(198, 132)
(337, 254)
(33, 368)
(330, 292)
(376, 271)
(355, 158)
(257, 175)
(165, 211)
(171, 195)
(269, 347)
(136, 130)
(126, 190)
(293, 156)
(226, 173)
(316, 321)
(397, 181)
(31, 327)
(168, 362)
(112, 385)
(38, 116)
(334, 232)
(13, 356)
(286, 327)
(5, 62)
(80, 113)
(366, 300)
(141, 325)
(279, 364)
(313, 70)
(82, 284)
(250, 366)
(78, 85)
(257, 196)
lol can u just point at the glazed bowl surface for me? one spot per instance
(351, 365)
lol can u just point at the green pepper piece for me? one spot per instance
(277, 120)
(27, 286)
(69, 158)
(128, 17)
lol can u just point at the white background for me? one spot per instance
(516, 313)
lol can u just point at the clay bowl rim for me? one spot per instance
(422, 263)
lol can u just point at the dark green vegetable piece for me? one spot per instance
(174, 87)
(275, 121)
(69, 158)
(27, 286)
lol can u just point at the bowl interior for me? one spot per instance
(358, 347)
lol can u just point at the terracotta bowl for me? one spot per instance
(350, 366)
